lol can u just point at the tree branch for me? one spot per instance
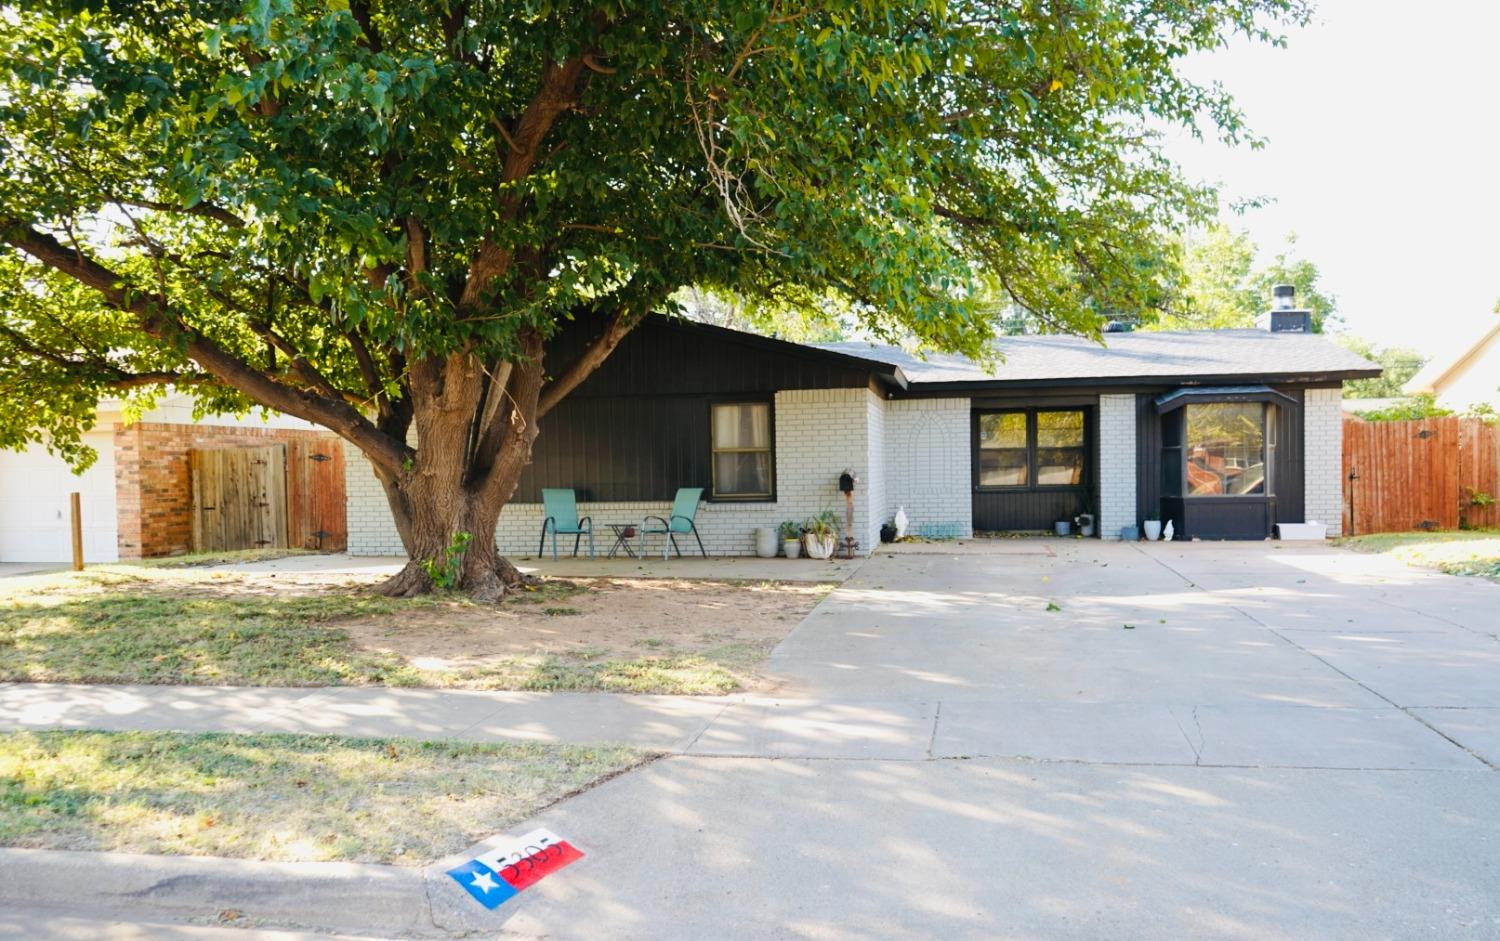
(110, 374)
(556, 95)
(584, 365)
(155, 320)
(360, 9)
(207, 210)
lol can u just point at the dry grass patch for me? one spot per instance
(626, 635)
(1457, 552)
(130, 624)
(281, 797)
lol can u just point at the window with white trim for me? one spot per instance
(743, 466)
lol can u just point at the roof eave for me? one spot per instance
(985, 385)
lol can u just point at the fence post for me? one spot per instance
(77, 508)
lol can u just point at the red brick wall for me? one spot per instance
(153, 489)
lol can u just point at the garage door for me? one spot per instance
(34, 519)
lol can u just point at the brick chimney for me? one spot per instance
(1285, 316)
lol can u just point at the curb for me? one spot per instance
(345, 897)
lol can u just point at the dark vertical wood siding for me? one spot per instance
(1287, 476)
(638, 428)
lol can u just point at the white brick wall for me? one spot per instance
(1117, 464)
(927, 465)
(819, 432)
(1323, 458)
(872, 488)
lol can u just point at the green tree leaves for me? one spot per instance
(297, 203)
(1224, 287)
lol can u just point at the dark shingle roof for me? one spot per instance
(1144, 355)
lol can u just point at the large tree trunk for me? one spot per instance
(447, 500)
(437, 526)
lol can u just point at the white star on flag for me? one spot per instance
(484, 881)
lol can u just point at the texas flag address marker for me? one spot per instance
(513, 865)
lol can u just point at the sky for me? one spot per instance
(1382, 155)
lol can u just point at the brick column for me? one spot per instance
(1323, 457)
(1117, 464)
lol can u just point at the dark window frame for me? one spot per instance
(1269, 444)
(1031, 485)
(712, 495)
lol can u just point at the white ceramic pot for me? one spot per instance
(819, 547)
(765, 542)
(1152, 529)
(793, 548)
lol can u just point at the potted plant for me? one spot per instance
(791, 538)
(1152, 529)
(821, 535)
(1085, 520)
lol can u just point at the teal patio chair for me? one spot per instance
(684, 512)
(560, 512)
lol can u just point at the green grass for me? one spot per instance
(131, 625)
(1473, 552)
(162, 638)
(281, 797)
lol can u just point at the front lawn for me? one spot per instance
(1457, 552)
(172, 625)
(281, 797)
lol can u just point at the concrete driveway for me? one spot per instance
(1286, 742)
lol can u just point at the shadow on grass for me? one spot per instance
(162, 639)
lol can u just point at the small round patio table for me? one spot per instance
(624, 533)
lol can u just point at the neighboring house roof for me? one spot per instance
(1443, 371)
(1197, 356)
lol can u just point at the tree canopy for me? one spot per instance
(1223, 286)
(376, 214)
(1398, 362)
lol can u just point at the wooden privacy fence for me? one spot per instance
(1432, 473)
(271, 497)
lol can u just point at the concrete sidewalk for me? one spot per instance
(661, 723)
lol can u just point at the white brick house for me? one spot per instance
(1228, 433)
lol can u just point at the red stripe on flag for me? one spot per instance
(533, 869)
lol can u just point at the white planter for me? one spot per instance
(819, 547)
(793, 548)
(1152, 529)
(1314, 530)
(765, 542)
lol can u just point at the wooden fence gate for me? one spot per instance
(317, 514)
(239, 498)
(276, 496)
(1432, 473)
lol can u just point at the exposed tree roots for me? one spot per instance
(486, 583)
